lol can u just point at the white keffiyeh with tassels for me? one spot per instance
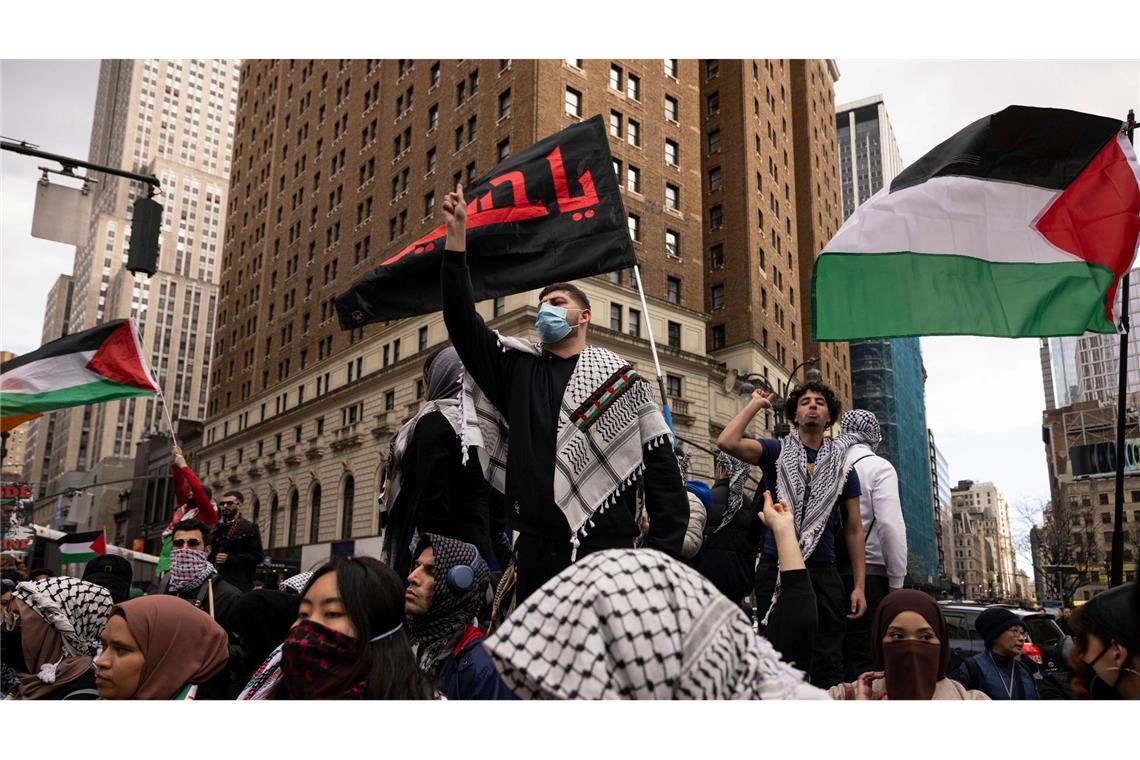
(606, 420)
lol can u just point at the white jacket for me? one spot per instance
(886, 539)
(695, 533)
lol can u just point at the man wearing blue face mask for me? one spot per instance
(586, 433)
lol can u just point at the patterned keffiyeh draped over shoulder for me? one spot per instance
(637, 624)
(607, 418)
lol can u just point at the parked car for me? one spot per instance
(1044, 642)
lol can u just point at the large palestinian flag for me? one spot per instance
(1019, 225)
(101, 364)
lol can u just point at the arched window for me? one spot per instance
(256, 516)
(294, 506)
(315, 515)
(274, 518)
(346, 508)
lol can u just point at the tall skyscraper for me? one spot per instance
(341, 162)
(174, 120)
(943, 517)
(768, 163)
(887, 376)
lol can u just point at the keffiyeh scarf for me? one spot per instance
(189, 568)
(435, 633)
(297, 583)
(636, 624)
(263, 680)
(608, 416)
(830, 473)
(737, 477)
(77, 609)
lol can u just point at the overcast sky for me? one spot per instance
(984, 396)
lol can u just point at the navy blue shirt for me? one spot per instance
(825, 549)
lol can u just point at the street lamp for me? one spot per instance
(780, 394)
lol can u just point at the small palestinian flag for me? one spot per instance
(100, 364)
(78, 548)
(1022, 224)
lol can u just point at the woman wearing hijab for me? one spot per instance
(258, 623)
(60, 620)
(349, 641)
(637, 624)
(909, 641)
(1105, 658)
(158, 647)
(431, 485)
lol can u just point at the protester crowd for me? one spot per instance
(545, 539)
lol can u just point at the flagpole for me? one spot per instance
(1116, 568)
(166, 414)
(653, 348)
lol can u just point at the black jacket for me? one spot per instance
(242, 547)
(728, 557)
(224, 597)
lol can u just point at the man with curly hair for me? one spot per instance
(809, 472)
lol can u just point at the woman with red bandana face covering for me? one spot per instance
(909, 641)
(349, 640)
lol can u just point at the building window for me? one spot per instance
(635, 323)
(718, 338)
(712, 68)
(715, 179)
(615, 77)
(389, 401)
(505, 104)
(431, 160)
(712, 102)
(615, 317)
(716, 256)
(672, 197)
(673, 244)
(633, 179)
(714, 141)
(671, 67)
(716, 217)
(672, 153)
(315, 515)
(673, 386)
(635, 228)
(423, 338)
(575, 63)
(346, 508)
(615, 124)
(634, 133)
(674, 330)
(718, 296)
(673, 290)
(504, 149)
(633, 87)
(498, 305)
(671, 108)
(573, 102)
(429, 204)
(433, 118)
(434, 74)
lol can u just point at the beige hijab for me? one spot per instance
(42, 646)
(180, 644)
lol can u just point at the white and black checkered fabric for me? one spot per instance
(636, 624)
(77, 609)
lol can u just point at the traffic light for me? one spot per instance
(146, 224)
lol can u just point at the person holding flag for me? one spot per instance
(588, 434)
(195, 502)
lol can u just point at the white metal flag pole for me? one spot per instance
(166, 414)
(652, 344)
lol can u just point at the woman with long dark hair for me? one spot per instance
(349, 640)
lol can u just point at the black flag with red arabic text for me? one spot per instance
(549, 213)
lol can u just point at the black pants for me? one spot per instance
(826, 668)
(857, 642)
(538, 559)
(793, 625)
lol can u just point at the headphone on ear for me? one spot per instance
(462, 577)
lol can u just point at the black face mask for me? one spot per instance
(1098, 688)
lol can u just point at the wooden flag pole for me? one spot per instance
(1116, 566)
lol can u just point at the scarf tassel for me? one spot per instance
(576, 536)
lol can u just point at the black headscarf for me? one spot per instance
(909, 600)
(262, 620)
(445, 376)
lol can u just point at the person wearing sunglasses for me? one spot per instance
(236, 544)
(194, 578)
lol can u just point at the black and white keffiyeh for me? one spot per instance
(828, 476)
(863, 423)
(637, 624)
(607, 418)
(737, 477)
(297, 583)
(77, 609)
(435, 633)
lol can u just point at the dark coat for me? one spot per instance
(470, 674)
(243, 552)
